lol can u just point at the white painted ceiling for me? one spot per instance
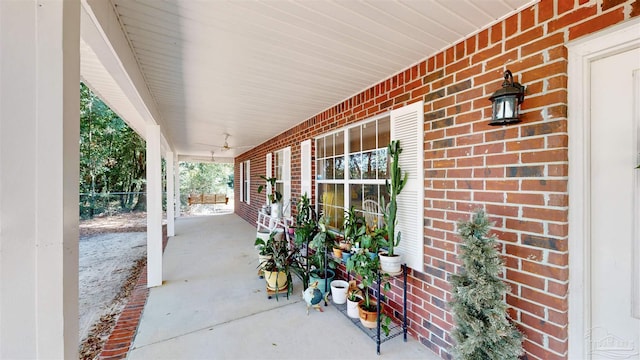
(252, 69)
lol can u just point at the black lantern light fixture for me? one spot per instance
(506, 102)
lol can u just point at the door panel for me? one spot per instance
(614, 332)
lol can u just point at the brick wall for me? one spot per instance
(518, 173)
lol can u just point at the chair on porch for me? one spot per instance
(372, 213)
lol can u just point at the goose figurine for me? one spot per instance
(312, 296)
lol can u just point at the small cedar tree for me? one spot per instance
(483, 329)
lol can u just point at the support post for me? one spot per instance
(176, 167)
(154, 206)
(170, 194)
(39, 157)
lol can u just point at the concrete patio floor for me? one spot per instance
(213, 305)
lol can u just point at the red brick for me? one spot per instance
(544, 326)
(572, 18)
(564, 6)
(608, 4)
(553, 272)
(527, 18)
(542, 44)
(546, 10)
(526, 37)
(524, 252)
(544, 214)
(596, 24)
(496, 33)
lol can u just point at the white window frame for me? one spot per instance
(284, 177)
(245, 181)
(412, 245)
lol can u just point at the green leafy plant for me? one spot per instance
(275, 196)
(354, 226)
(323, 241)
(394, 186)
(483, 329)
(306, 224)
(280, 258)
(366, 268)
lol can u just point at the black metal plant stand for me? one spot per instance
(395, 330)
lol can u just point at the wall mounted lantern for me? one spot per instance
(506, 102)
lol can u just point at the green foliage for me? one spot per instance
(205, 178)
(354, 226)
(321, 243)
(280, 258)
(483, 328)
(275, 196)
(112, 155)
(394, 187)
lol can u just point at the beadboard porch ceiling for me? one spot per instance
(252, 69)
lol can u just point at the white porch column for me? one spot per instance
(177, 186)
(39, 157)
(154, 207)
(170, 194)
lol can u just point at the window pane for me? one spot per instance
(384, 194)
(328, 168)
(382, 163)
(384, 133)
(339, 168)
(328, 200)
(354, 167)
(339, 143)
(321, 191)
(320, 147)
(320, 168)
(355, 195)
(328, 145)
(368, 165)
(369, 136)
(339, 210)
(371, 193)
(339, 195)
(280, 188)
(354, 139)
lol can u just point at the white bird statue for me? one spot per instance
(312, 296)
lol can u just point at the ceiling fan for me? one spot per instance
(226, 145)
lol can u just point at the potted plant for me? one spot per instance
(366, 267)
(354, 296)
(391, 262)
(275, 197)
(339, 290)
(353, 227)
(323, 265)
(263, 254)
(278, 265)
(306, 227)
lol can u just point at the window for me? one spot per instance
(364, 148)
(352, 165)
(245, 181)
(283, 177)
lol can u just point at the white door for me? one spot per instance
(614, 324)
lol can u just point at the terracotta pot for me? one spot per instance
(369, 319)
(337, 253)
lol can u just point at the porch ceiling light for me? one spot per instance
(506, 102)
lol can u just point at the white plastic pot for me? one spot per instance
(339, 291)
(352, 309)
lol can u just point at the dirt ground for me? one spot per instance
(112, 252)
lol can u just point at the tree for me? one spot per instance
(112, 155)
(483, 329)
